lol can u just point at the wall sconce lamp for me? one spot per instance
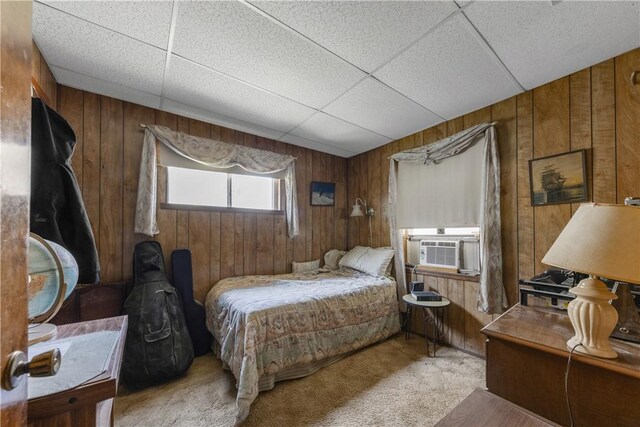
(368, 211)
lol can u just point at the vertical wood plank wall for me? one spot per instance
(41, 72)
(596, 109)
(106, 161)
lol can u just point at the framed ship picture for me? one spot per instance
(559, 179)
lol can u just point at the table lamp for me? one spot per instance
(603, 241)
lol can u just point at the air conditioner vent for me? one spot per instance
(440, 253)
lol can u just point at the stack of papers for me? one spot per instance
(84, 357)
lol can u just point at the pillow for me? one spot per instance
(332, 258)
(300, 267)
(368, 260)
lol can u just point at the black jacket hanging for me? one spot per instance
(57, 209)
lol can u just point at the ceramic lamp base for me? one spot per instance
(593, 318)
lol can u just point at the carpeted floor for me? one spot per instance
(388, 384)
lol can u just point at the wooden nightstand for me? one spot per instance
(90, 404)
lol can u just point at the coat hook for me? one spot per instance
(635, 77)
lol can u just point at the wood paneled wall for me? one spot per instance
(596, 109)
(106, 162)
(41, 72)
(223, 244)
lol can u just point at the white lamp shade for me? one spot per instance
(601, 240)
(357, 211)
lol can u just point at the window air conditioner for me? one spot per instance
(460, 252)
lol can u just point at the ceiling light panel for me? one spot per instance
(237, 40)
(333, 131)
(450, 72)
(147, 21)
(71, 43)
(375, 106)
(540, 42)
(365, 33)
(208, 90)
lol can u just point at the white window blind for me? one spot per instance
(447, 194)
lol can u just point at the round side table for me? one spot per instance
(433, 312)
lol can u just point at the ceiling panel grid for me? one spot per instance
(340, 77)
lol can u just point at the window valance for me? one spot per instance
(421, 197)
(202, 153)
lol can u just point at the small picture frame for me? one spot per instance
(323, 193)
(557, 179)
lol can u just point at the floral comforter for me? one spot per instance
(265, 324)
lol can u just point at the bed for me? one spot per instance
(272, 328)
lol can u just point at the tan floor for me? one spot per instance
(392, 383)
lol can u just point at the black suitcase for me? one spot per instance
(158, 345)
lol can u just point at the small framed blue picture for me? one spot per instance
(323, 193)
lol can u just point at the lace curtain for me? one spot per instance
(491, 295)
(207, 153)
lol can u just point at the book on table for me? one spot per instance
(426, 296)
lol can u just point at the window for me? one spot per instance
(195, 187)
(448, 231)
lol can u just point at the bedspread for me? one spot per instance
(265, 324)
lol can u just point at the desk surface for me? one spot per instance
(483, 409)
(100, 388)
(549, 329)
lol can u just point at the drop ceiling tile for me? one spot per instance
(540, 42)
(90, 84)
(235, 39)
(450, 72)
(375, 106)
(193, 84)
(71, 43)
(333, 131)
(148, 21)
(318, 146)
(190, 111)
(364, 33)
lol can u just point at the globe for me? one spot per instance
(49, 266)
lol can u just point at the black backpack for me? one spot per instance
(158, 345)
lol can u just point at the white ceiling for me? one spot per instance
(341, 77)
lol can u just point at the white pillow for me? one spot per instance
(332, 258)
(300, 267)
(368, 260)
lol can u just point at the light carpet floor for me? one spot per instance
(392, 383)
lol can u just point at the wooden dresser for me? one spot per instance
(90, 404)
(526, 361)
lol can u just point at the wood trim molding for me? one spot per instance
(220, 209)
(423, 271)
(39, 91)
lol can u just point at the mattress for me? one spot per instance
(269, 328)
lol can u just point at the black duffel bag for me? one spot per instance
(158, 345)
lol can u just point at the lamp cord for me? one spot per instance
(566, 382)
